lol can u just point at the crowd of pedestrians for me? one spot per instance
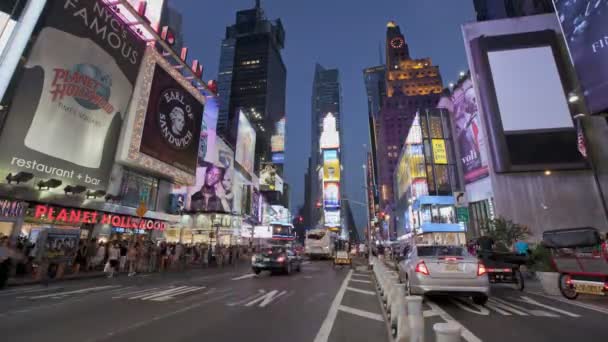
(20, 259)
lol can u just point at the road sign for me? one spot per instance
(141, 210)
(462, 214)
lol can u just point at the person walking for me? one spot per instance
(204, 256)
(132, 258)
(5, 261)
(113, 260)
(153, 253)
(123, 256)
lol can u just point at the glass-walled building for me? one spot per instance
(426, 176)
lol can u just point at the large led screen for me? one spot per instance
(71, 98)
(245, 144)
(331, 195)
(541, 103)
(585, 27)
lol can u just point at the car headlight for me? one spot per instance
(253, 258)
(326, 247)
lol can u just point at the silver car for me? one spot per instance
(435, 269)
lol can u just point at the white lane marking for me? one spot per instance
(22, 290)
(266, 298)
(361, 313)
(161, 293)
(494, 307)
(465, 333)
(579, 304)
(529, 300)
(63, 294)
(470, 307)
(361, 281)
(429, 313)
(516, 309)
(245, 276)
(122, 289)
(306, 262)
(138, 294)
(360, 275)
(328, 323)
(172, 295)
(243, 301)
(371, 293)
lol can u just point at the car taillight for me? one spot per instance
(421, 268)
(606, 286)
(568, 280)
(281, 259)
(451, 258)
(481, 269)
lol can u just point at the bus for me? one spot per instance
(320, 243)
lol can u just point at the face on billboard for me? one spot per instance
(469, 133)
(173, 123)
(331, 194)
(245, 145)
(70, 100)
(585, 27)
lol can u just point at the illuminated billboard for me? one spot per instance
(331, 170)
(332, 218)
(270, 180)
(277, 141)
(70, 96)
(585, 28)
(470, 136)
(245, 144)
(163, 128)
(330, 139)
(278, 158)
(331, 195)
(440, 155)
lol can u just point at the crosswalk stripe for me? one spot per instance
(137, 293)
(361, 281)
(163, 293)
(494, 306)
(188, 290)
(510, 307)
(371, 293)
(63, 294)
(361, 313)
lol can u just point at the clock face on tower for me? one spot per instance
(396, 42)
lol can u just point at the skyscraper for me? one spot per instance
(375, 86)
(326, 98)
(252, 77)
(411, 84)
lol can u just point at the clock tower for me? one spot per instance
(396, 47)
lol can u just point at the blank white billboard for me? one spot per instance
(529, 89)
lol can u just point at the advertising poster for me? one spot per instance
(277, 141)
(332, 218)
(71, 99)
(270, 180)
(278, 158)
(469, 133)
(173, 123)
(214, 190)
(245, 144)
(331, 195)
(330, 139)
(585, 28)
(256, 205)
(440, 155)
(331, 170)
(61, 245)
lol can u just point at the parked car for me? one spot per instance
(444, 270)
(276, 258)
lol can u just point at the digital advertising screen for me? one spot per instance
(470, 137)
(331, 195)
(71, 97)
(585, 28)
(245, 144)
(331, 170)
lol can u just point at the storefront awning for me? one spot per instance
(437, 200)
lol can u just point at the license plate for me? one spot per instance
(451, 267)
(266, 259)
(590, 289)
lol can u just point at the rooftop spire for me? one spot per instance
(257, 4)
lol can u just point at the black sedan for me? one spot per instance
(278, 258)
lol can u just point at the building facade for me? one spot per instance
(326, 98)
(252, 78)
(501, 9)
(411, 85)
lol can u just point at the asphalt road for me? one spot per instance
(231, 304)
(511, 315)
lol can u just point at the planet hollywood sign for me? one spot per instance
(76, 216)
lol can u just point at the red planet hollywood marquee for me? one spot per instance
(75, 216)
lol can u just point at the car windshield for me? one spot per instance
(316, 236)
(436, 251)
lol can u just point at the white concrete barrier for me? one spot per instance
(393, 281)
(389, 279)
(415, 318)
(396, 304)
(447, 332)
(403, 331)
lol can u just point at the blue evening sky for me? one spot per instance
(341, 34)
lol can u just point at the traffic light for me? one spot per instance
(300, 219)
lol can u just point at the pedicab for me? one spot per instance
(581, 259)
